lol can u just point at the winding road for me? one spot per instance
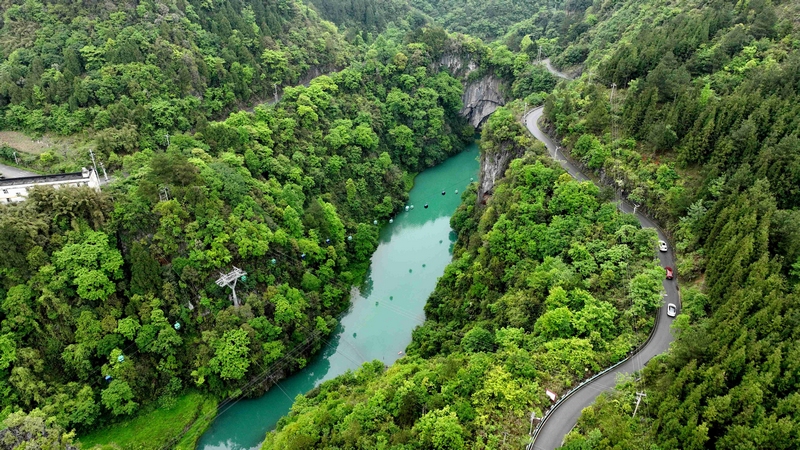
(554, 71)
(563, 417)
(13, 172)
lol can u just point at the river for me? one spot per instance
(412, 255)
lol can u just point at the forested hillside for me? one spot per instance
(493, 19)
(700, 127)
(687, 108)
(549, 284)
(108, 299)
(731, 380)
(542, 21)
(368, 16)
(131, 73)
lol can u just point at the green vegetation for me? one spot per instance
(361, 17)
(700, 131)
(158, 428)
(730, 380)
(703, 133)
(110, 320)
(129, 75)
(711, 88)
(33, 430)
(493, 19)
(109, 308)
(549, 284)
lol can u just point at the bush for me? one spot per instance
(477, 340)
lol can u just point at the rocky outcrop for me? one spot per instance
(458, 65)
(481, 98)
(493, 168)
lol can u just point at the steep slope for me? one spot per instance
(132, 73)
(690, 110)
(368, 15)
(108, 301)
(538, 297)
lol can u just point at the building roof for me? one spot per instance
(38, 179)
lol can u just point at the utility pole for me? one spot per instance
(635, 205)
(163, 194)
(613, 113)
(533, 417)
(556, 154)
(539, 56)
(639, 396)
(530, 432)
(105, 175)
(16, 161)
(275, 87)
(167, 137)
(94, 164)
(229, 279)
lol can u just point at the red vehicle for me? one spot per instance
(669, 273)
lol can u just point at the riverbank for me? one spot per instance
(413, 251)
(535, 300)
(177, 427)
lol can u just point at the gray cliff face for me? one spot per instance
(493, 169)
(481, 98)
(456, 64)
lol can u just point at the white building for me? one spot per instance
(16, 189)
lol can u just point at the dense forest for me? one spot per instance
(130, 75)
(108, 299)
(731, 378)
(362, 17)
(549, 284)
(491, 20)
(700, 129)
(696, 119)
(689, 109)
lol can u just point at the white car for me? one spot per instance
(662, 246)
(672, 310)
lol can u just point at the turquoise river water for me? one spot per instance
(411, 256)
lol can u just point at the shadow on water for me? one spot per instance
(412, 254)
(366, 286)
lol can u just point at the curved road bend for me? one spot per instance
(563, 419)
(553, 70)
(13, 172)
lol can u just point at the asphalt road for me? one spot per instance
(561, 420)
(553, 70)
(13, 172)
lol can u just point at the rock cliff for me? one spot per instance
(460, 66)
(493, 168)
(481, 98)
